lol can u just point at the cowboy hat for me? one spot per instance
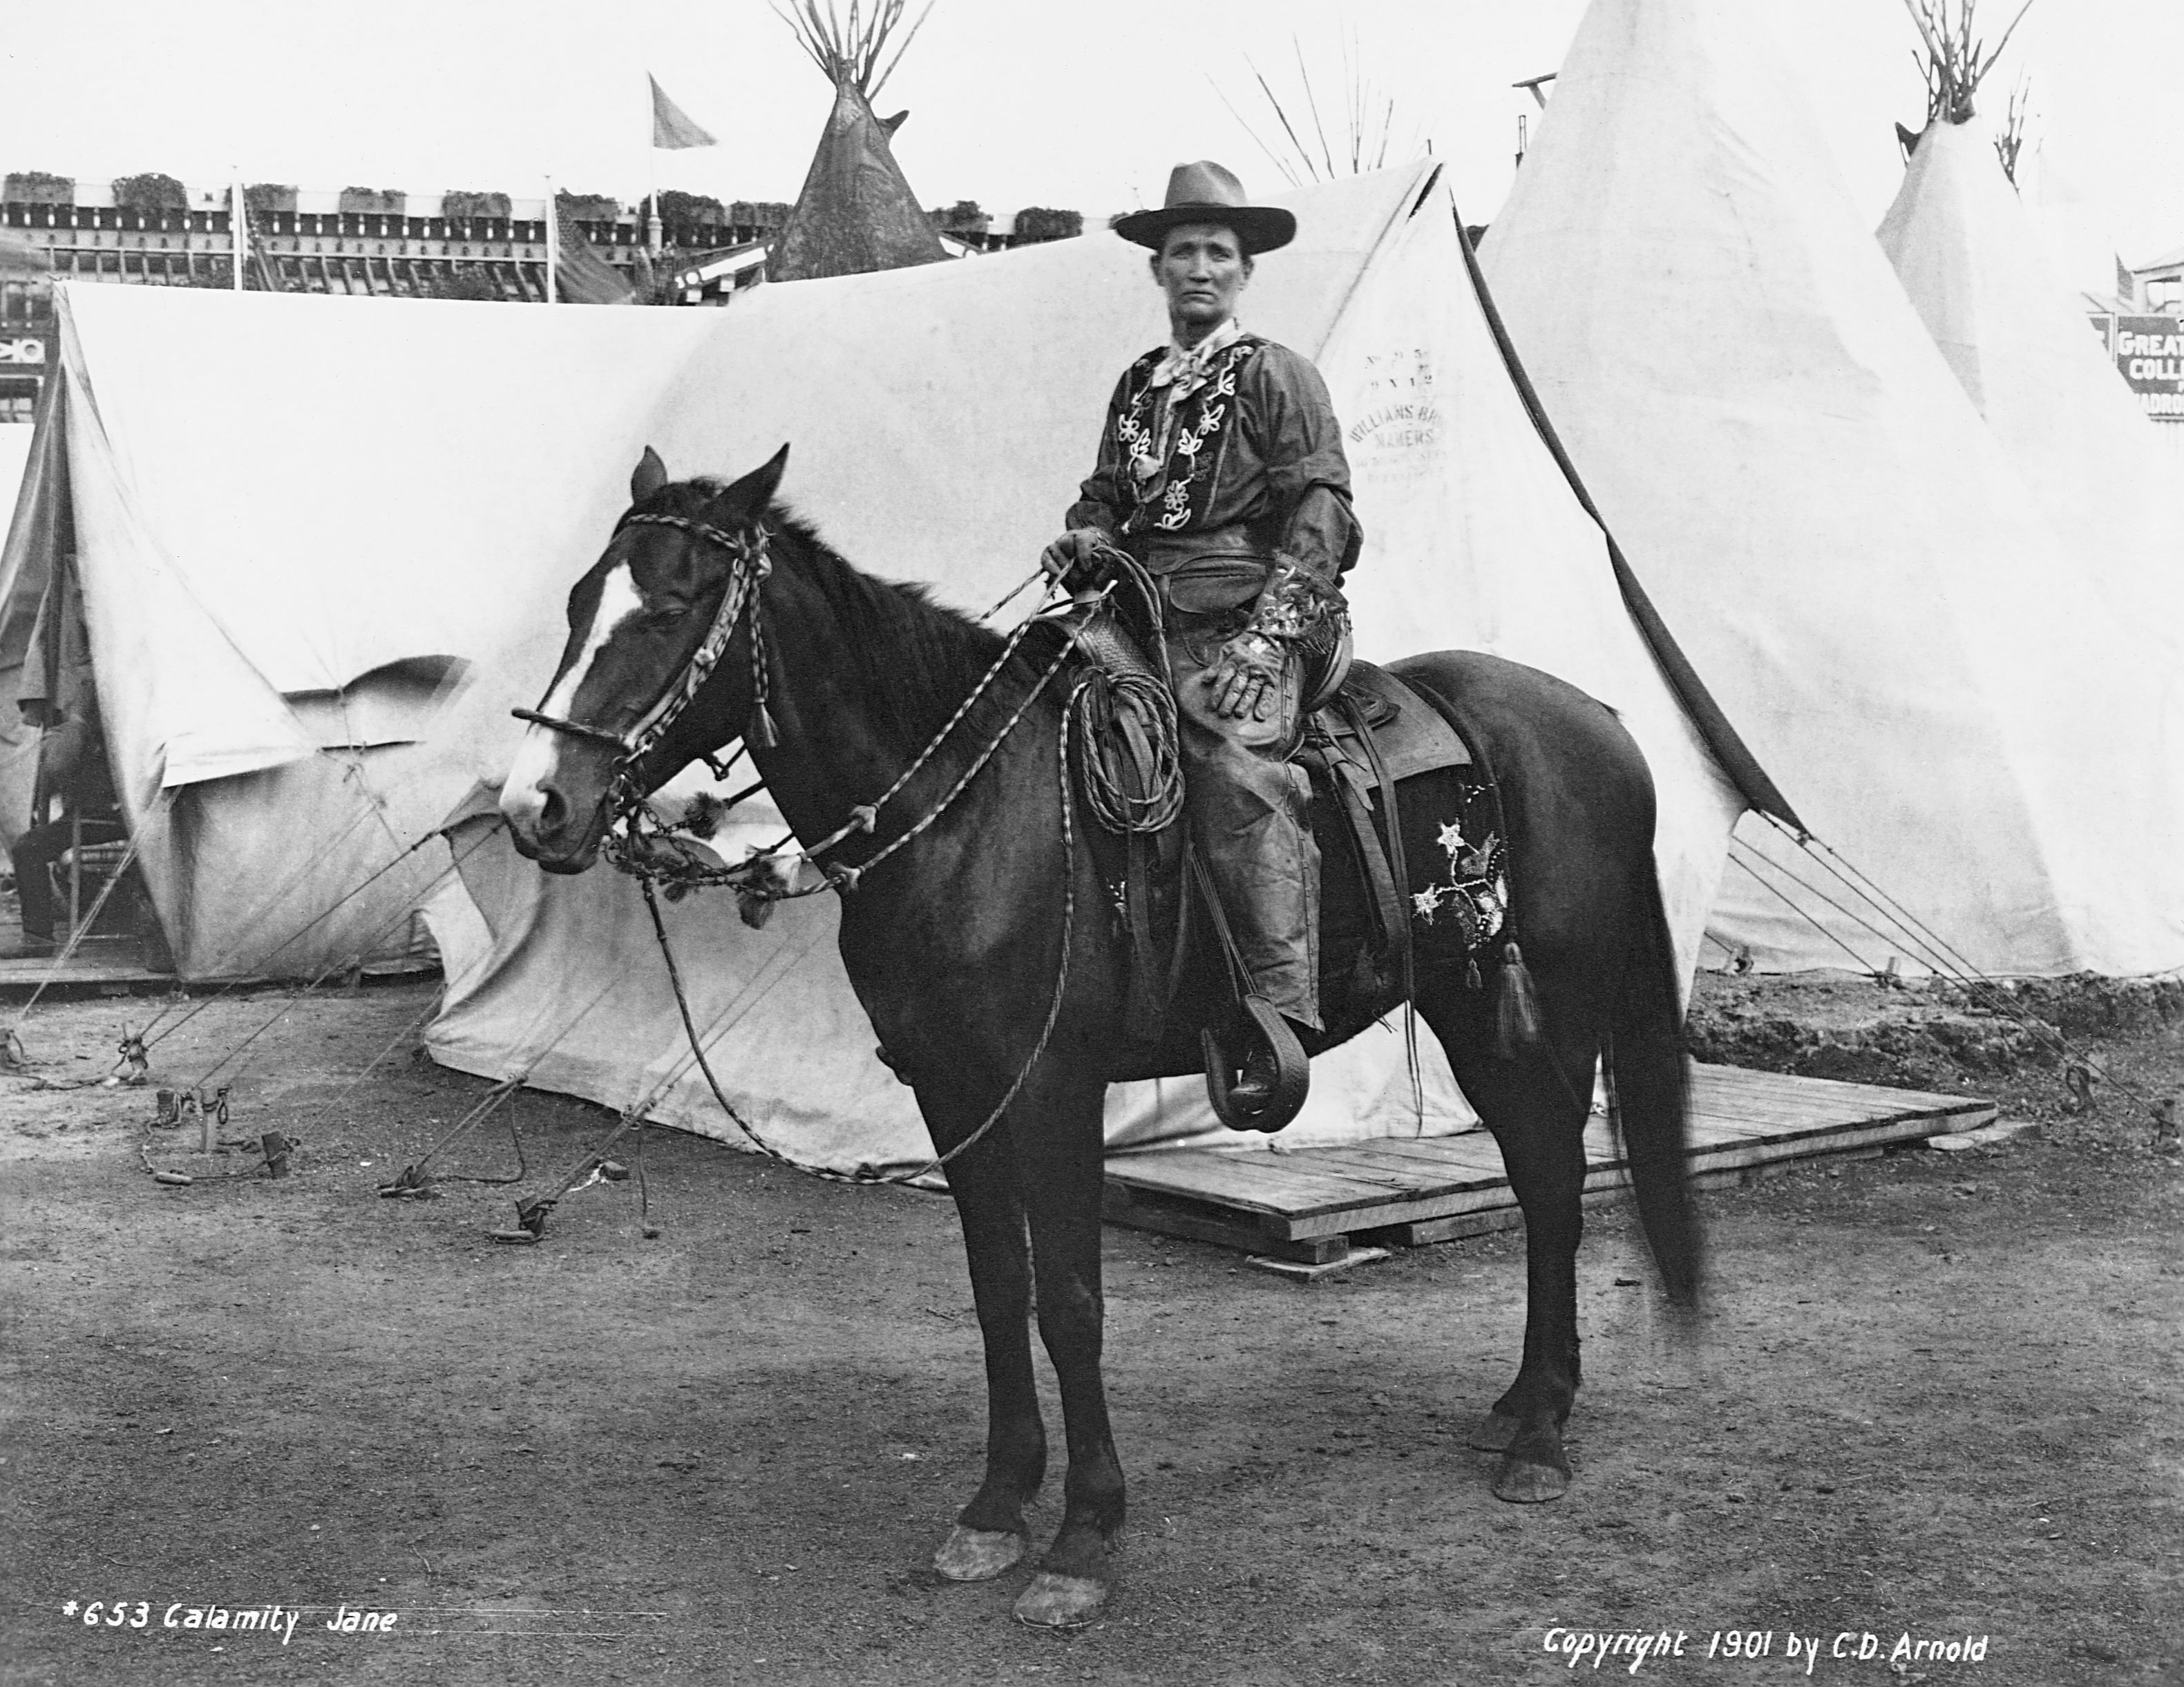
(1204, 192)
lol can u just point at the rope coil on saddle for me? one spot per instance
(1141, 707)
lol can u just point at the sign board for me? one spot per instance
(22, 351)
(2149, 356)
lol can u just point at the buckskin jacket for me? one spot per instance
(1248, 460)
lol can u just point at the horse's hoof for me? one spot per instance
(1493, 1434)
(1529, 1484)
(978, 1555)
(1053, 1601)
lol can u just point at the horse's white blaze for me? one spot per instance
(523, 798)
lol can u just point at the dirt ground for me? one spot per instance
(1936, 1397)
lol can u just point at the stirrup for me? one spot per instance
(1292, 1071)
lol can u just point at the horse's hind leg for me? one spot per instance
(1535, 1105)
(990, 1535)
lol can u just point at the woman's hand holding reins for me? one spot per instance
(1074, 559)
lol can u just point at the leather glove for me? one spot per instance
(1073, 558)
(1246, 676)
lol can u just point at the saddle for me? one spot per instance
(1372, 734)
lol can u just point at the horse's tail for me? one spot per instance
(1651, 1087)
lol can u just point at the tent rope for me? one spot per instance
(326, 913)
(342, 964)
(1913, 936)
(373, 1064)
(240, 937)
(1897, 940)
(1862, 965)
(412, 1178)
(1988, 993)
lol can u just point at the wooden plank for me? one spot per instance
(1811, 1147)
(1488, 1221)
(1900, 1127)
(1265, 1182)
(1471, 1150)
(1795, 1110)
(1312, 1273)
(1792, 1104)
(1454, 1228)
(1398, 1211)
(1746, 1080)
(1416, 1174)
(1195, 1223)
(28, 972)
(1818, 1097)
(1710, 1081)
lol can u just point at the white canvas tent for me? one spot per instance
(1835, 535)
(1976, 270)
(308, 553)
(977, 389)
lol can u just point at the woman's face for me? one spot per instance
(1201, 268)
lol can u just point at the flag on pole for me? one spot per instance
(2126, 285)
(553, 220)
(581, 275)
(238, 227)
(670, 130)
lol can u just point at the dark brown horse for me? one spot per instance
(954, 943)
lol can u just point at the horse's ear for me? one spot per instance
(651, 474)
(755, 490)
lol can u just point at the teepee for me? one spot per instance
(856, 213)
(1975, 268)
(1846, 553)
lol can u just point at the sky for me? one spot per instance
(1012, 103)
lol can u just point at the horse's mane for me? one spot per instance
(915, 660)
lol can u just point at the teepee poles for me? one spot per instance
(1956, 60)
(849, 49)
(1362, 143)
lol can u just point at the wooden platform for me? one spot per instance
(107, 965)
(1314, 1204)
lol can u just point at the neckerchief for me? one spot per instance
(1184, 370)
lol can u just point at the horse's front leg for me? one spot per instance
(1060, 1161)
(990, 1534)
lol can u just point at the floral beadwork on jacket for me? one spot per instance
(1170, 487)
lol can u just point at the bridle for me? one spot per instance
(748, 565)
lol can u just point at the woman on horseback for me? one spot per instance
(1220, 472)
